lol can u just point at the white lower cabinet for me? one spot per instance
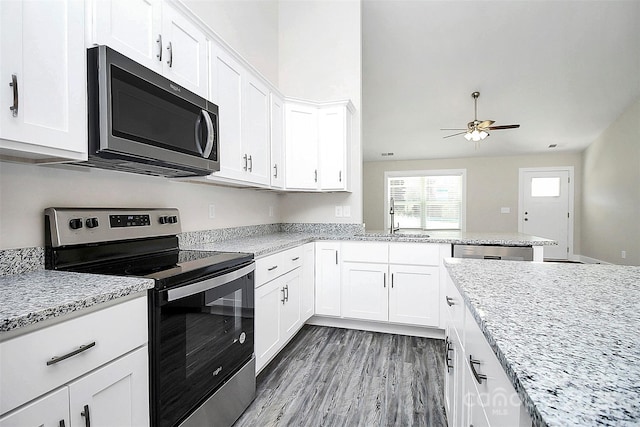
(79, 372)
(307, 305)
(328, 278)
(364, 291)
(413, 295)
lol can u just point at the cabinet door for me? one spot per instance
(255, 130)
(364, 291)
(131, 27)
(269, 299)
(301, 147)
(51, 114)
(290, 318)
(184, 59)
(226, 80)
(414, 293)
(308, 281)
(454, 374)
(115, 395)
(328, 278)
(49, 411)
(332, 148)
(277, 142)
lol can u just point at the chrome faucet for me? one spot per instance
(392, 229)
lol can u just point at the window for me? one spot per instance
(545, 187)
(428, 200)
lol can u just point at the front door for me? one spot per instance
(545, 208)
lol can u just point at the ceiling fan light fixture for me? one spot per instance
(483, 134)
(467, 136)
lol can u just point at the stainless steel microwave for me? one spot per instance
(141, 122)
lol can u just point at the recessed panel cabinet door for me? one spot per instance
(301, 147)
(277, 142)
(364, 291)
(328, 278)
(413, 296)
(269, 299)
(290, 317)
(332, 149)
(43, 78)
(185, 52)
(133, 28)
(115, 395)
(255, 130)
(49, 411)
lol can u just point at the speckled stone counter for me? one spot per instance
(33, 297)
(567, 335)
(462, 238)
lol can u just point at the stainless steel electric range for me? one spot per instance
(201, 310)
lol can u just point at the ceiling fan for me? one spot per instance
(478, 130)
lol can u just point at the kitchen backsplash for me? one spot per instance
(16, 261)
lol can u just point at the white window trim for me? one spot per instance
(429, 172)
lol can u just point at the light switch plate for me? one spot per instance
(338, 211)
(346, 211)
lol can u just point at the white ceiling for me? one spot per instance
(563, 70)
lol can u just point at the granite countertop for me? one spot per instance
(266, 244)
(39, 295)
(567, 335)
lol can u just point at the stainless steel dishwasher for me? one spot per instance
(511, 253)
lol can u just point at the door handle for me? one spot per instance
(526, 219)
(79, 350)
(286, 293)
(159, 41)
(283, 298)
(14, 85)
(250, 164)
(170, 60)
(449, 301)
(87, 417)
(275, 170)
(384, 279)
(479, 377)
(245, 162)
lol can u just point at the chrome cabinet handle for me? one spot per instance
(272, 268)
(87, 417)
(336, 257)
(283, 299)
(450, 301)
(286, 290)
(295, 259)
(479, 377)
(340, 176)
(159, 41)
(250, 164)
(79, 350)
(61, 423)
(392, 280)
(170, 60)
(315, 175)
(245, 162)
(14, 85)
(384, 279)
(449, 348)
(275, 170)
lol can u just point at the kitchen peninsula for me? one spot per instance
(565, 334)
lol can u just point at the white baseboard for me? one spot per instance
(388, 328)
(589, 260)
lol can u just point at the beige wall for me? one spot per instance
(492, 183)
(249, 26)
(320, 60)
(611, 202)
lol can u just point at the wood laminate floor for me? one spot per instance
(341, 377)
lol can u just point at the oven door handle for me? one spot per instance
(205, 285)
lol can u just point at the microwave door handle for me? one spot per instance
(210, 135)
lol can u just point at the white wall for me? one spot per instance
(26, 190)
(320, 59)
(611, 201)
(249, 26)
(492, 183)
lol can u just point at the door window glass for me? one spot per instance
(545, 187)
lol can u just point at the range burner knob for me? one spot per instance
(172, 219)
(92, 222)
(75, 223)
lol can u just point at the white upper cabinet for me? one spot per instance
(43, 105)
(277, 142)
(156, 35)
(301, 146)
(244, 105)
(317, 146)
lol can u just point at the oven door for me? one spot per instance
(201, 334)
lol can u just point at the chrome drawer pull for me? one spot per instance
(478, 377)
(449, 349)
(14, 85)
(450, 301)
(79, 350)
(295, 259)
(272, 268)
(85, 414)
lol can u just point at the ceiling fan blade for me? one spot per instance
(455, 134)
(453, 129)
(503, 127)
(486, 123)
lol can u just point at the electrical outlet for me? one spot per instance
(338, 211)
(505, 210)
(212, 211)
(270, 211)
(346, 211)
(623, 254)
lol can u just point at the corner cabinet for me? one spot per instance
(44, 114)
(104, 380)
(317, 145)
(155, 34)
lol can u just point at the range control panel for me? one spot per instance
(71, 226)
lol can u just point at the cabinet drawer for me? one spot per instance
(292, 258)
(414, 253)
(365, 252)
(268, 268)
(115, 330)
(454, 308)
